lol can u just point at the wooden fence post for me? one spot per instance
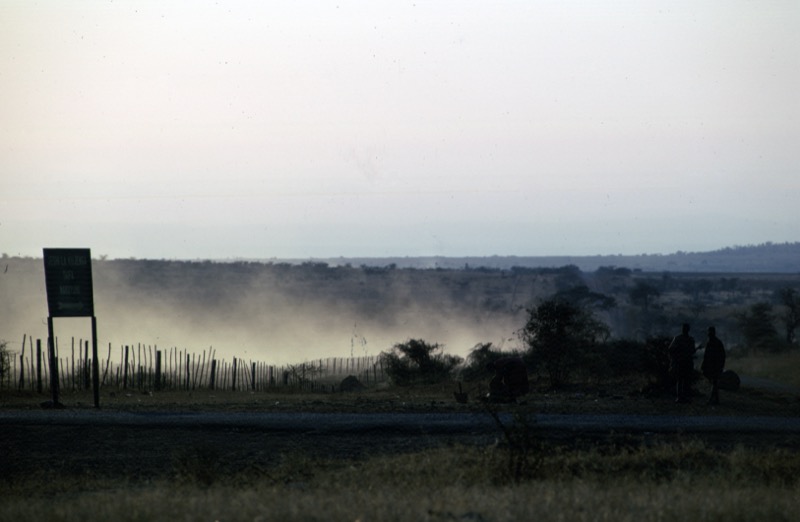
(71, 364)
(86, 372)
(95, 365)
(51, 348)
(125, 370)
(158, 370)
(108, 361)
(213, 373)
(39, 365)
(21, 384)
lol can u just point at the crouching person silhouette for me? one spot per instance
(510, 379)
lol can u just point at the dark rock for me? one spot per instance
(350, 384)
(729, 381)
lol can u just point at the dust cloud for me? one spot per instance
(273, 313)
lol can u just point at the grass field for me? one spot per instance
(617, 479)
(684, 481)
(780, 367)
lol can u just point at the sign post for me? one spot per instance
(68, 280)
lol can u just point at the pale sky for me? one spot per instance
(317, 129)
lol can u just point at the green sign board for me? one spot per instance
(68, 279)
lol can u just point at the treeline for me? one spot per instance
(202, 298)
(564, 339)
(766, 257)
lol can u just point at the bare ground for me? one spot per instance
(147, 450)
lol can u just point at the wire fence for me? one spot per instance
(148, 368)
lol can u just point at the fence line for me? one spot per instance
(147, 368)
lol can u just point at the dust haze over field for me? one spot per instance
(287, 313)
(280, 314)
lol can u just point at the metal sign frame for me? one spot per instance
(70, 293)
(68, 279)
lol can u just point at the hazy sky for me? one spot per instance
(313, 129)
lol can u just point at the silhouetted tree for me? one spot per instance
(558, 333)
(567, 277)
(581, 296)
(642, 294)
(758, 327)
(791, 314)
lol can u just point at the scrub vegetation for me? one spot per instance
(284, 313)
(682, 480)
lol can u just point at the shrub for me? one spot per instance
(625, 357)
(559, 334)
(757, 325)
(475, 366)
(656, 363)
(418, 362)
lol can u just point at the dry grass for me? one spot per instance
(779, 367)
(682, 480)
(686, 481)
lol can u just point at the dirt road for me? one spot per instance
(148, 444)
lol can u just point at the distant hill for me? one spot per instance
(764, 258)
(776, 258)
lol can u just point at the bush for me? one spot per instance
(480, 355)
(559, 335)
(625, 357)
(656, 363)
(418, 362)
(757, 325)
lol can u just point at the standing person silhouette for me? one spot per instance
(713, 363)
(681, 355)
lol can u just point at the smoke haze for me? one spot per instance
(276, 313)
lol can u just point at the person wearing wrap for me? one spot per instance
(681, 360)
(713, 363)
